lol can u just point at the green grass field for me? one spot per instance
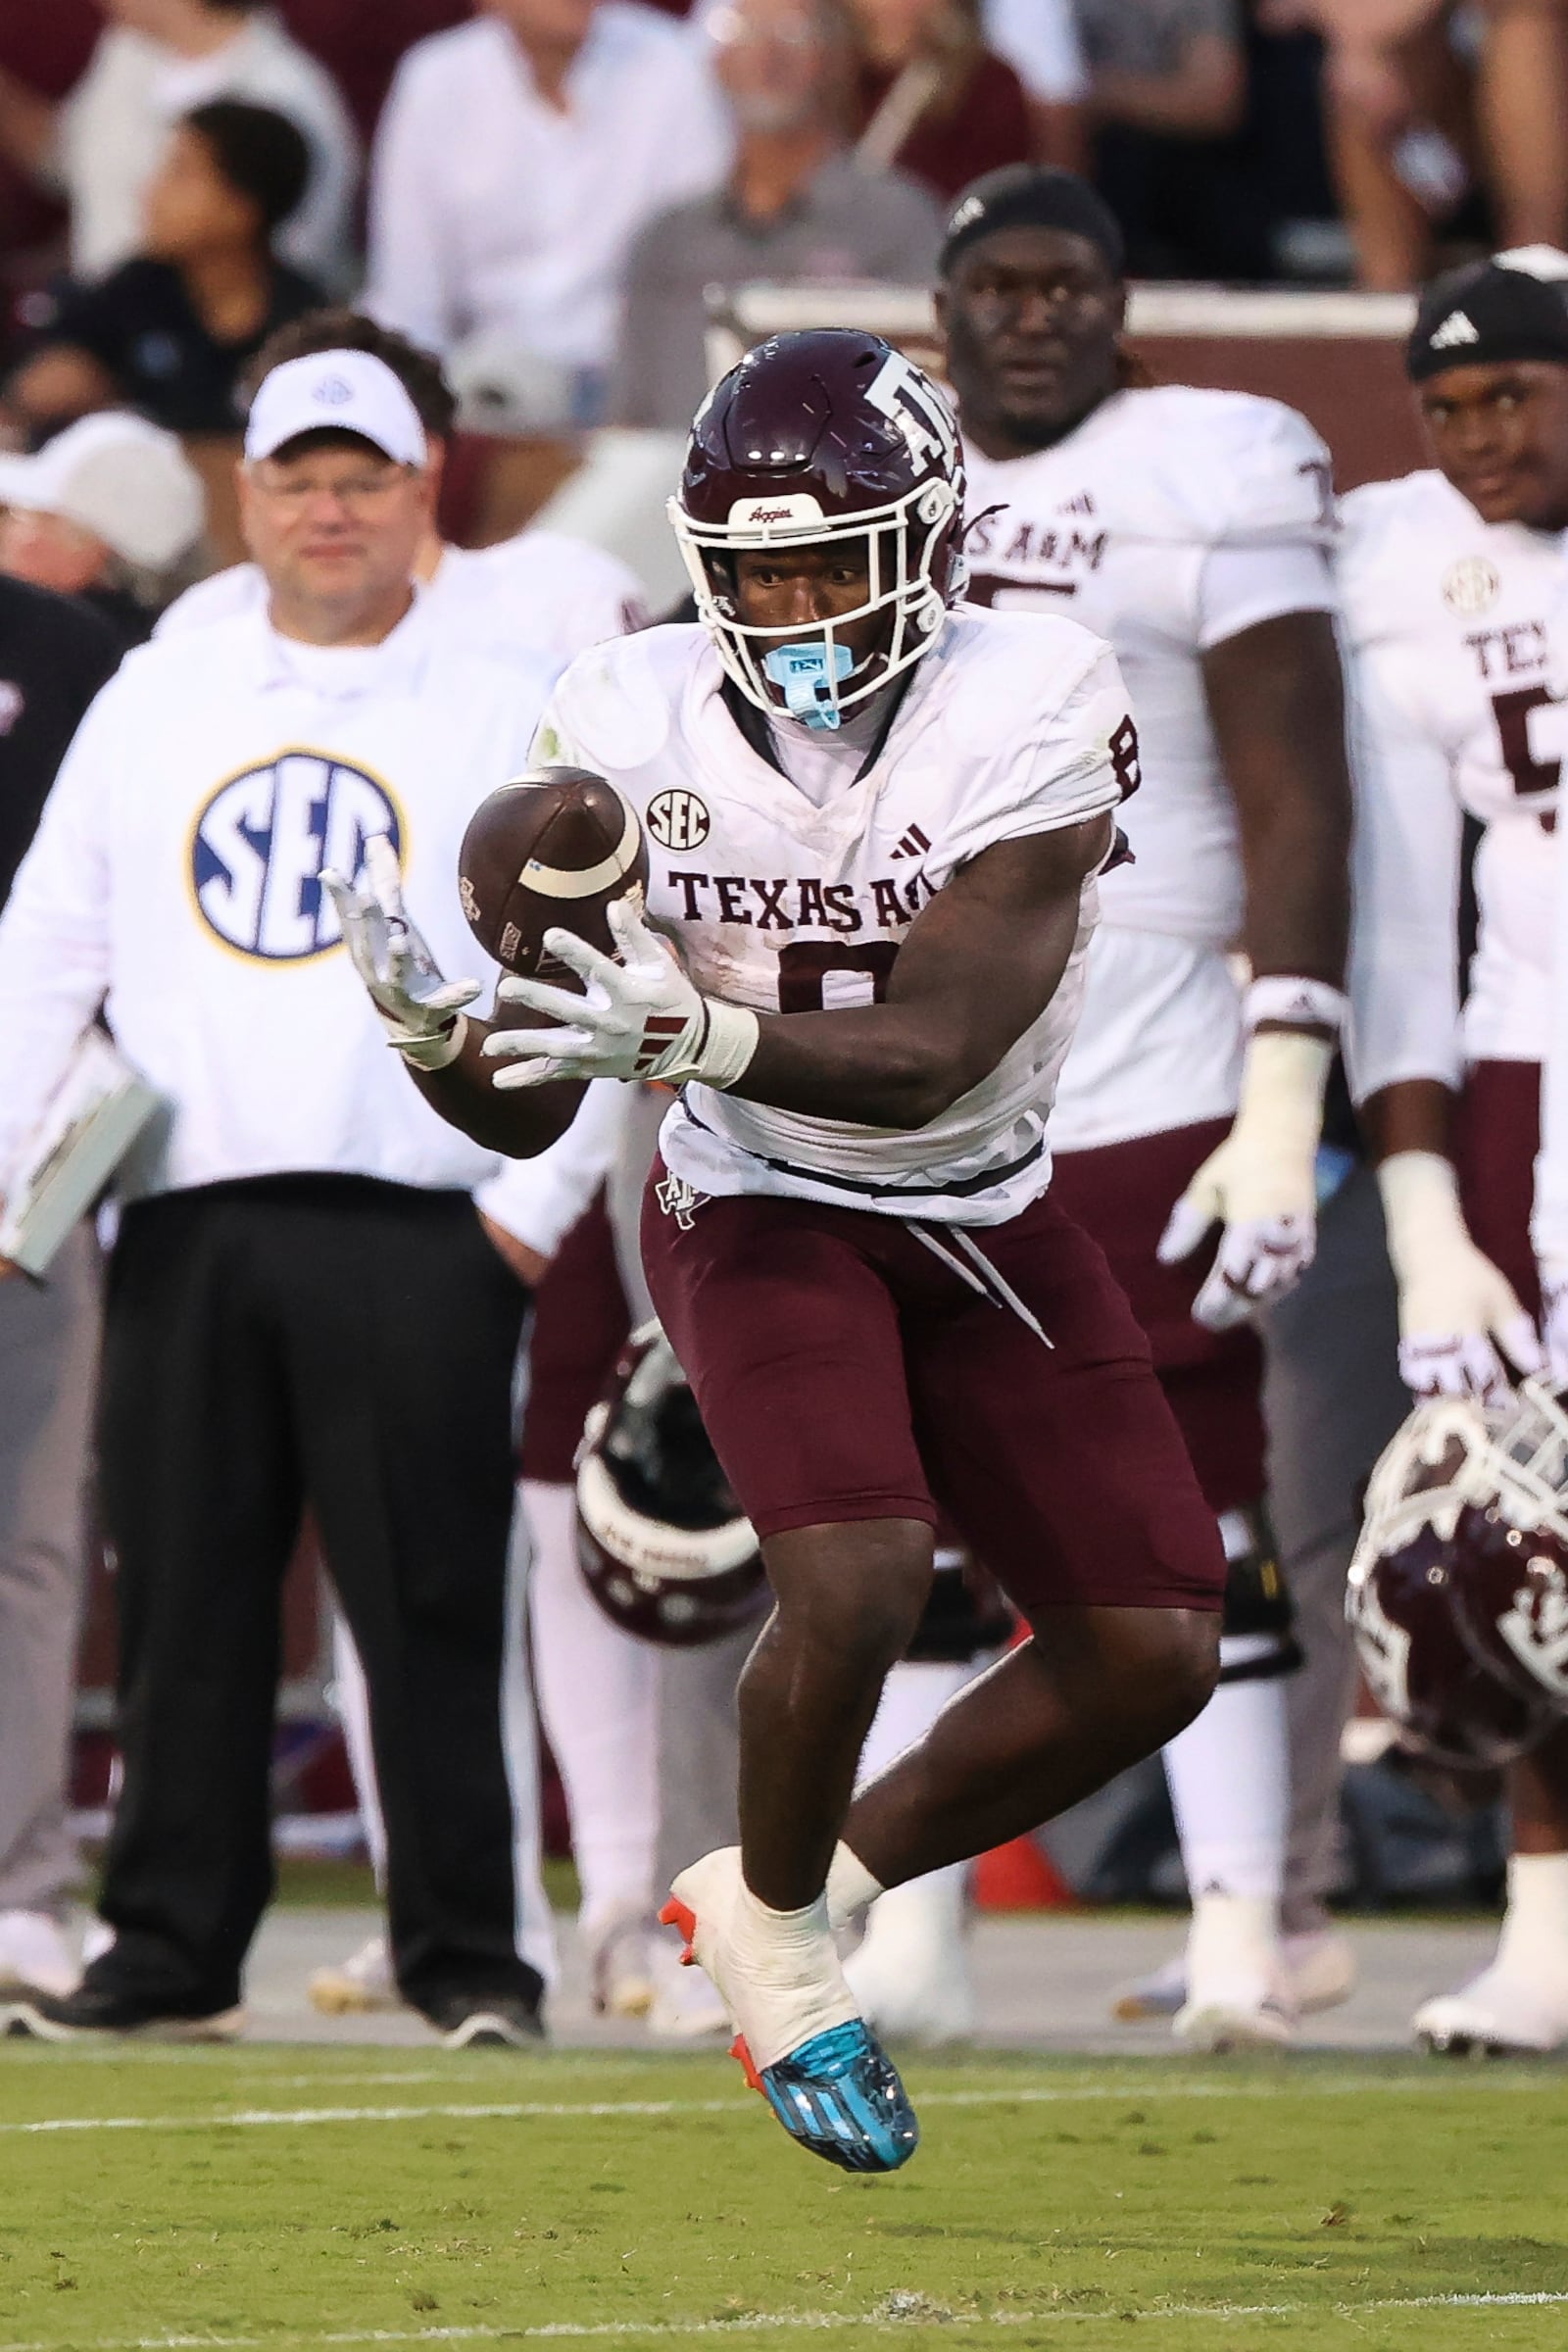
(307, 2196)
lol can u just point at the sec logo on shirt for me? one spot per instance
(262, 839)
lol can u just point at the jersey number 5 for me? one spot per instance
(803, 971)
(1529, 774)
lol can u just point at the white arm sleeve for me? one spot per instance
(1404, 978)
(1240, 587)
(539, 1201)
(410, 275)
(54, 933)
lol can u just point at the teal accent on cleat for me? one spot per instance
(839, 2094)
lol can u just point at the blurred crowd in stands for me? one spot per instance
(541, 191)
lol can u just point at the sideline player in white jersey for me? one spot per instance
(541, 591)
(1189, 527)
(1448, 580)
(877, 827)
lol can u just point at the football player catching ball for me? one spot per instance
(877, 828)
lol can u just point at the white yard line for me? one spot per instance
(917, 2312)
(569, 2110)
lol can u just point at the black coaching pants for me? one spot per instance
(347, 1344)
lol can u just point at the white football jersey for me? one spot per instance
(1011, 725)
(1169, 521)
(176, 878)
(544, 592)
(1444, 621)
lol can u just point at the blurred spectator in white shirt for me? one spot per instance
(1039, 41)
(796, 209)
(109, 513)
(517, 158)
(157, 60)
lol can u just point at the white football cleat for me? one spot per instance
(618, 1953)
(910, 1972)
(1237, 1994)
(35, 1956)
(358, 1985)
(685, 2007)
(1319, 1971)
(1505, 2012)
(1320, 1968)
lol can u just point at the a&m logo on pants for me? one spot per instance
(261, 841)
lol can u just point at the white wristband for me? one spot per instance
(724, 1050)
(1294, 1004)
(428, 1052)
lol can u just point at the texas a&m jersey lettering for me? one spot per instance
(797, 903)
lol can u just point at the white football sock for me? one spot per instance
(353, 1704)
(595, 1688)
(1534, 1928)
(850, 1887)
(1229, 1778)
(913, 1698)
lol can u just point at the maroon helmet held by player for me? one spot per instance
(663, 1545)
(1452, 1589)
(830, 434)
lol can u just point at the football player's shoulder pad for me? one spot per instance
(1233, 467)
(1391, 542)
(617, 702)
(1009, 674)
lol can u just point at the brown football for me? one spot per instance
(552, 848)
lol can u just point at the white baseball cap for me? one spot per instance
(340, 392)
(119, 477)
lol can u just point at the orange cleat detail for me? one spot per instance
(682, 1916)
(743, 2058)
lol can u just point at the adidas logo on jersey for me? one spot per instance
(913, 845)
(1456, 328)
(1083, 504)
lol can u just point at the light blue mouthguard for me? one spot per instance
(802, 670)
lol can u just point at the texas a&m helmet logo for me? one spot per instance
(677, 819)
(261, 841)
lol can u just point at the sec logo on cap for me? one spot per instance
(260, 845)
(677, 819)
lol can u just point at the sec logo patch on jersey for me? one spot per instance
(677, 819)
(262, 839)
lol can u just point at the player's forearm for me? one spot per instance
(1298, 890)
(1277, 700)
(1414, 1114)
(518, 1125)
(876, 1066)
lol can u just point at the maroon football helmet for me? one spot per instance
(828, 434)
(1442, 1604)
(661, 1540)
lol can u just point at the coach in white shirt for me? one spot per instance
(516, 158)
(304, 1306)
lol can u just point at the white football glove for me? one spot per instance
(1261, 1183)
(420, 1011)
(1453, 1302)
(640, 1017)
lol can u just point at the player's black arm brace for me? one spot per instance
(976, 968)
(1276, 699)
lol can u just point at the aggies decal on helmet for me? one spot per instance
(815, 437)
